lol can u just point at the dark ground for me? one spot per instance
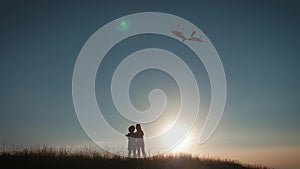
(61, 159)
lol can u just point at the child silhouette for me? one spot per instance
(140, 145)
(131, 141)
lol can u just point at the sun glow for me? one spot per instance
(185, 145)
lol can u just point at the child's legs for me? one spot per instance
(134, 152)
(130, 151)
(138, 151)
(143, 149)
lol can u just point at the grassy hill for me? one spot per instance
(48, 158)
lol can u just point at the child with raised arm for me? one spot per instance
(140, 145)
(131, 141)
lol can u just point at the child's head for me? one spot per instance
(138, 127)
(131, 129)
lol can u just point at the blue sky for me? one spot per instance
(258, 43)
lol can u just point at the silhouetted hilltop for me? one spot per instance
(48, 158)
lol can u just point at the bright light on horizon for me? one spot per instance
(184, 145)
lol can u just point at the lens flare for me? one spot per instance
(123, 25)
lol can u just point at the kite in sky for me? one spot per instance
(191, 38)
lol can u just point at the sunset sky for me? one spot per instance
(257, 41)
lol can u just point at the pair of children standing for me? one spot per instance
(136, 141)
